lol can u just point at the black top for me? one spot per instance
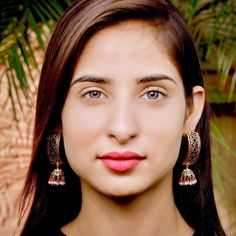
(59, 233)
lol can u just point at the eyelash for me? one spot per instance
(157, 93)
(89, 93)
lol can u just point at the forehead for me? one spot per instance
(125, 33)
(132, 47)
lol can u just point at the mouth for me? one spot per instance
(121, 162)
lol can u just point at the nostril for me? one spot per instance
(122, 125)
(122, 140)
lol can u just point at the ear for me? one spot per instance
(194, 109)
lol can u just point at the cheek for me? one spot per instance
(81, 126)
(163, 129)
(167, 119)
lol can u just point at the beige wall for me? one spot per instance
(15, 152)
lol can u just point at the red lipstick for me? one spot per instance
(121, 162)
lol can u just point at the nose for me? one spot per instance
(122, 126)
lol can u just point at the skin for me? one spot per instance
(112, 107)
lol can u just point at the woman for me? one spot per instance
(121, 139)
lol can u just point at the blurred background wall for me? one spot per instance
(25, 28)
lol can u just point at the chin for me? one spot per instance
(123, 193)
(122, 198)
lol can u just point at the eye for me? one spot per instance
(94, 94)
(153, 95)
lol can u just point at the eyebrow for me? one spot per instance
(153, 78)
(91, 79)
(101, 80)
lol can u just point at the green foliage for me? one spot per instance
(213, 27)
(21, 22)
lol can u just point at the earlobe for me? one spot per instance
(195, 109)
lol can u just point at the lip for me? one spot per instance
(121, 162)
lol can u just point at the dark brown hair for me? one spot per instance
(53, 207)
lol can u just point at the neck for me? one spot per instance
(150, 213)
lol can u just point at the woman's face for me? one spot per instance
(125, 113)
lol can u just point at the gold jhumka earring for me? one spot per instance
(57, 176)
(194, 147)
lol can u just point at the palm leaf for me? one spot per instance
(213, 26)
(21, 22)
